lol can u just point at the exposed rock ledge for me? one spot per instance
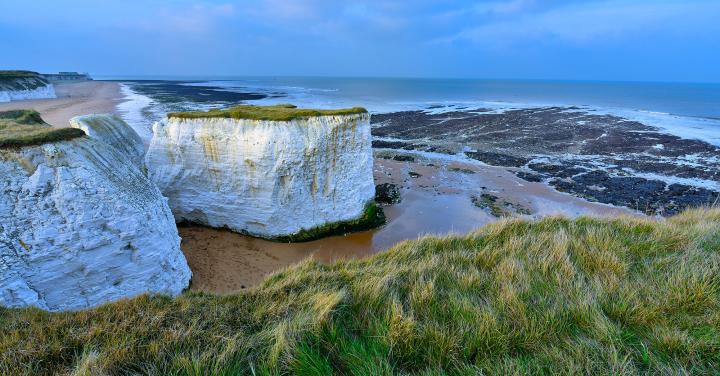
(267, 178)
(81, 225)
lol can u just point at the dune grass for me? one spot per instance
(280, 112)
(555, 296)
(26, 127)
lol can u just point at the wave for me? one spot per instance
(132, 110)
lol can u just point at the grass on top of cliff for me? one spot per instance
(26, 127)
(553, 296)
(17, 74)
(280, 112)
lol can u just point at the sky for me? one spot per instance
(638, 40)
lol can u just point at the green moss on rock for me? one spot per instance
(372, 217)
(280, 112)
(26, 128)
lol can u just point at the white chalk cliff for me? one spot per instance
(112, 130)
(21, 88)
(266, 178)
(81, 225)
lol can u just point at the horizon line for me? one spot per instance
(208, 77)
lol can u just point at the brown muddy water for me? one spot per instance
(439, 201)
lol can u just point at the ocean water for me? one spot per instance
(690, 110)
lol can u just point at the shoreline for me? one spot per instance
(73, 99)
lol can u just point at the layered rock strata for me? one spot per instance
(81, 225)
(112, 130)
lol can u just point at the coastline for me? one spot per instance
(73, 99)
(441, 194)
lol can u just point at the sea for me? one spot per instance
(689, 110)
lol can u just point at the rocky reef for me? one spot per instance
(599, 157)
(276, 172)
(112, 130)
(80, 224)
(20, 85)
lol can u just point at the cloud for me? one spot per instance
(589, 22)
(285, 9)
(502, 7)
(189, 19)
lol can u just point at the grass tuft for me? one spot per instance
(26, 128)
(280, 112)
(553, 296)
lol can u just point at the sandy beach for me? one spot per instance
(73, 99)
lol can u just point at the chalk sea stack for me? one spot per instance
(80, 223)
(277, 172)
(21, 85)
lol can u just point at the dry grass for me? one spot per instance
(280, 112)
(555, 296)
(26, 127)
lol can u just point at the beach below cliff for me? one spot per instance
(73, 99)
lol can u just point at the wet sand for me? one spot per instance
(73, 99)
(437, 202)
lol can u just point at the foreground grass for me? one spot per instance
(585, 296)
(26, 127)
(280, 112)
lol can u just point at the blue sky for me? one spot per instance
(671, 40)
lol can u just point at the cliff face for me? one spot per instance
(112, 130)
(267, 178)
(67, 77)
(81, 225)
(20, 85)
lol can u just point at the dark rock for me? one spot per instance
(497, 159)
(171, 92)
(404, 158)
(529, 176)
(633, 192)
(389, 144)
(561, 171)
(461, 170)
(387, 194)
(497, 206)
